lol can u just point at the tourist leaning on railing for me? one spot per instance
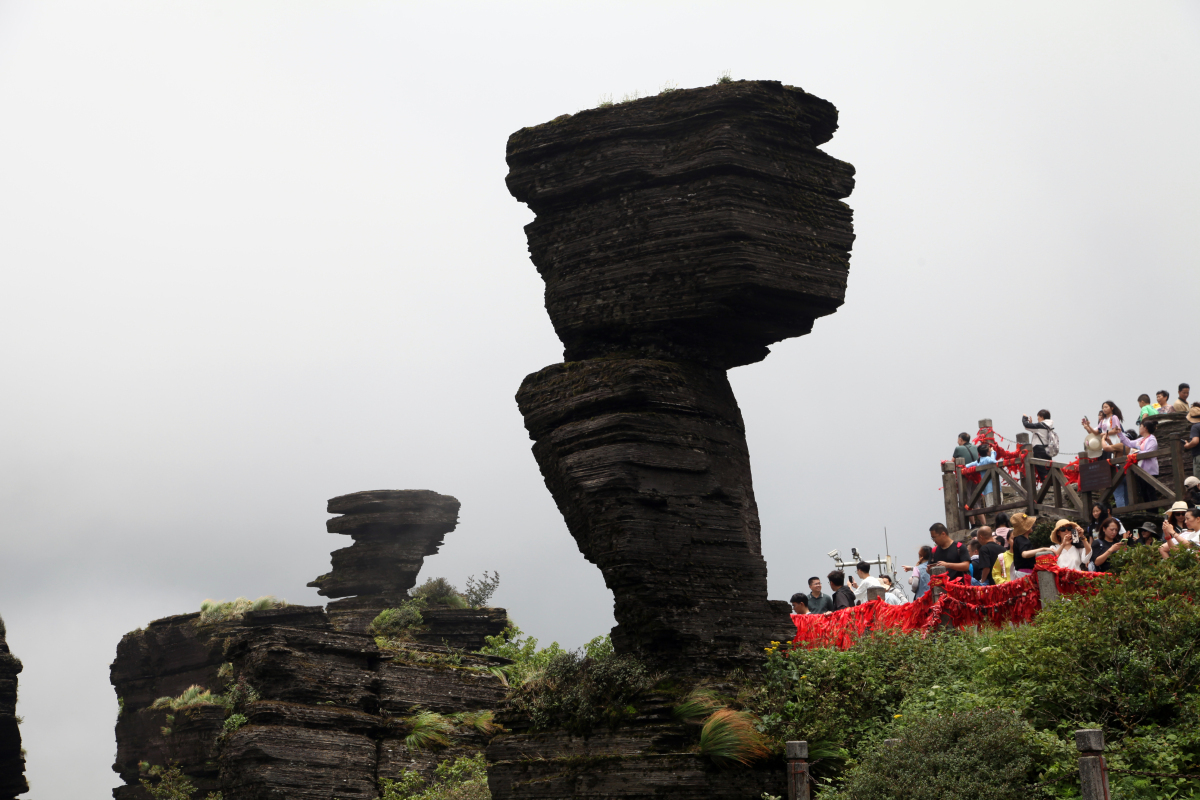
(949, 554)
(1024, 553)
(919, 582)
(989, 551)
(1145, 407)
(1041, 433)
(818, 603)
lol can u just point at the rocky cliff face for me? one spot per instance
(678, 236)
(12, 759)
(300, 706)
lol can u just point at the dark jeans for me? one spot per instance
(1039, 451)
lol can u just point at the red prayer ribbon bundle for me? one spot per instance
(960, 605)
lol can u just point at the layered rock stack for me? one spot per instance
(393, 532)
(678, 237)
(12, 760)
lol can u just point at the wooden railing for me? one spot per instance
(1055, 494)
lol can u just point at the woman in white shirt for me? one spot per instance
(1071, 547)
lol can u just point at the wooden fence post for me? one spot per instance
(797, 770)
(1177, 468)
(950, 495)
(958, 490)
(1093, 771)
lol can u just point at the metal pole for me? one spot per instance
(1093, 771)
(797, 770)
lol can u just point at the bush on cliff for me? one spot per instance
(530, 662)
(579, 693)
(397, 623)
(212, 611)
(454, 779)
(439, 592)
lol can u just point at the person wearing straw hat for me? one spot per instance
(1024, 553)
(1071, 547)
(1188, 536)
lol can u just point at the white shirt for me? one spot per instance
(869, 582)
(1071, 557)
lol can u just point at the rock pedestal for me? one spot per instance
(393, 532)
(678, 236)
(12, 760)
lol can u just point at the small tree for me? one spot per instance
(479, 592)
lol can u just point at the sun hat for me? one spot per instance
(1193, 414)
(1190, 482)
(1178, 505)
(1022, 524)
(1055, 536)
(1150, 528)
(1093, 445)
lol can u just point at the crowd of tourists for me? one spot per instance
(996, 554)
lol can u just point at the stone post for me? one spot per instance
(938, 592)
(797, 770)
(1046, 587)
(1093, 771)
(875, 593)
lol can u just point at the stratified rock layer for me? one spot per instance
(328, 721)
(700, 225)
(648, 464)
(12, 762)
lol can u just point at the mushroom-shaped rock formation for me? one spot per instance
(678, 236)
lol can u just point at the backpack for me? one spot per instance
(1052, 443)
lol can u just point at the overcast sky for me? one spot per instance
(259, 254)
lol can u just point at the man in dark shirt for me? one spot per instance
(842, 596)
(818, 603)
(965, 450)
(949, 554)
(989, 551)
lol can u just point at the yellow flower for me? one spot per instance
(897, 716)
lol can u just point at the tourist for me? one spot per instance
(1146, 442)
(965, 450)
(1072, 548)
(1191, 491)
(1186, 538)
(865, 581)
(919, 582)
(892, 594)
(1107, 424)
(1024, 553)
(1147, 534)
(1002, 570)
(1191, 446)
(1163, 406)
(842, 596)
(1041, 434)
(1180, 406)
(973, 571)
(949, 554)
(985, 458)
(818, 603)
(799, 603)
(1145, 407)
(1174, 517)
(1108, 544)
(989, 551)
(1002, 529)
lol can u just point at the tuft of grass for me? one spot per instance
(606, 101)
(480, 721)
(729, 737)
(698, 706)
(192, 697)
(725, 77)
(428, 730)
(235, 721)
(668, 87)
(212, 611)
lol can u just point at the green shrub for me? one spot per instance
(399, 622)
(479, 592)
(235, 721)
(169, 783)
(579, 693)
(439, 592)
(980, 754)
(529, 662)
(698, 706)
(454, 779)
(192, 697)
